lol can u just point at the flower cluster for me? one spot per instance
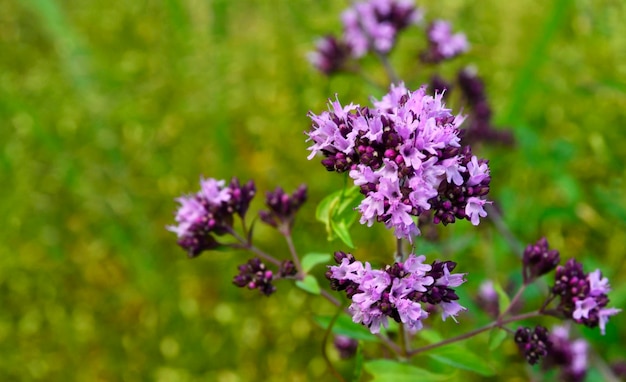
(570, 356)
(398, 291)
(583, 295)
(538, 260)
(442, 44)
(283, 208)
(210, 212)
(535, 344)
(406, 157)
(255, 275)
(369, 26)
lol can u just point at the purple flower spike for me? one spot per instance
(570, 356)
(346, 346)
(443, 45)
(535, 344)
(330, 55)
(374, 25)
(283, 208)
(397, 292)
(405, 155)
(210, 212)
(583, 296)
(538, 260)
(254, 275)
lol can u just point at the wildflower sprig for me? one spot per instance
(411, 162)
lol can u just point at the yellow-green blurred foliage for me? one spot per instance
(111, 109)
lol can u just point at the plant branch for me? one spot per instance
(472, 333)
(294, 254)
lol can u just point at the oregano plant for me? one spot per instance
(409, 164)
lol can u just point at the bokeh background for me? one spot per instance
(111, 109)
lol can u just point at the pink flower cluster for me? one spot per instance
(398, 291)
(405, 155)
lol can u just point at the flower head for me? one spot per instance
(210, 212)
(283, 207)
(538, 260)
(535, 344)
(373, 25)
(443, 45)
(583, 296)
(405, 155)
(397, 291)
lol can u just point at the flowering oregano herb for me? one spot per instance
(411, 159)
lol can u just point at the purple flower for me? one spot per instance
(534, 344)
(474, 209)
(330, 55)
(210, 212)
(443, 45)
(283, 208)
(570, 356)
(538, 260)
(346, 346)
(396, 292)
(373, 25)
(406, 157)
(583, 296)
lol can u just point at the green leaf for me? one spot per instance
(496, 337)
(309, 284)
(341, 229)
(384, 370)
(358, 363)
(310, 260)
(346, 327)
(503, 299)
(462, 358)
(322, 212)
(337, 212)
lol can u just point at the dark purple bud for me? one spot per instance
(534, 344)
(346, 346)
(538, 260)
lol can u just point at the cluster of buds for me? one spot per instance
(397, 291)
(538, 260)
(209, 213)
(369, 26)
(405, 155)
(535, 344)
(255, 275)
(583, 296)
(283, 208)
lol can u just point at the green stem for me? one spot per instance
(474, 332)
(294, 254)
(514, 300)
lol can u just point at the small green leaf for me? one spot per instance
(322, 212)
(384, 370)
(358, 363)
(346, 327)
(341, 229)
(462, 358)
(309, 284)
(337, 212)
(496, 337)
(503, 299)
(310, 260)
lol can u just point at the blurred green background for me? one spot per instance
(111, 109)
